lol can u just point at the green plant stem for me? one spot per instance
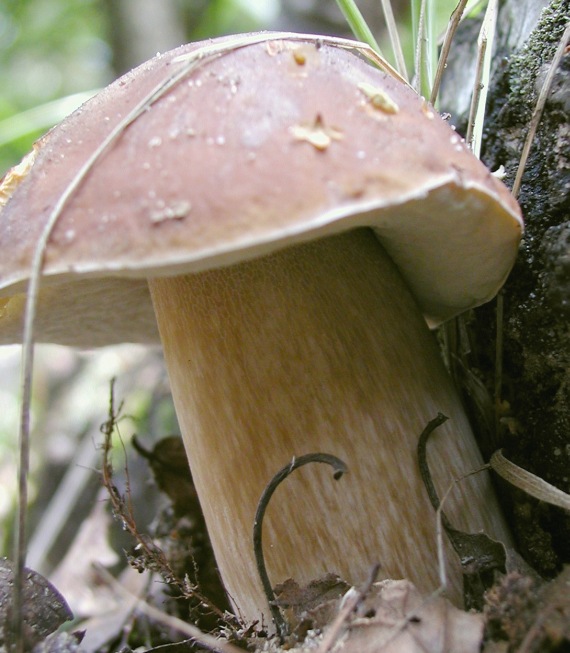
(423, 29)
(357, 23)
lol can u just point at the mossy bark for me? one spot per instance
(534, 411)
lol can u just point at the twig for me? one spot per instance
(422, 462)
(533, 126)
(539, 108)
(339, 467)
(440, 516)
(394, 37)
(209, 642)
(478, 553)
(454, 21)
(123, 509)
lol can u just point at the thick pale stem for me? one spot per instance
(319, 347)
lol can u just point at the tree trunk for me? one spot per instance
(533, 413)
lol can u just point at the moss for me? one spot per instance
(536, 375)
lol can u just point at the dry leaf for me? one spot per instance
(378, 98)
(76, 574)
(395, 618)
(310, 606)
(43, 608)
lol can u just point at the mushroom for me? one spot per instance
(297, 217)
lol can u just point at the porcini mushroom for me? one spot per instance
(297, 214)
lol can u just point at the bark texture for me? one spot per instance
(534, 411)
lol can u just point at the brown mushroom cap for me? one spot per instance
(255, 149)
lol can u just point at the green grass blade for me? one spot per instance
(40, 118)
(357, 23)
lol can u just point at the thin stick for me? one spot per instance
(123, 510)
(476, 93)
(28, 348)
(478, 547)
(209, 642)
(422, 462)
(394, 38)
(534, 122)
(440, 527)
(350, 605)
(454, 21)
(363, 48)
(539, 108)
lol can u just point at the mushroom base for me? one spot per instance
(317, 348)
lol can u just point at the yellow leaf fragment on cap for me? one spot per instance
(378, 98)
(15, 176)
(319, 135)
(299, 57)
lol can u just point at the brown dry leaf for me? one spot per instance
(171, 473)
(291, 595)
(310, 606)
(395, 618)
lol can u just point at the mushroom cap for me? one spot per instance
(254, 149)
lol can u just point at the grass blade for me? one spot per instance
(357, 23)
(482, 76)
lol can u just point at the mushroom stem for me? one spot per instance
(319, 347)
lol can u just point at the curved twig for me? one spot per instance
(339, 469)
(478, 554)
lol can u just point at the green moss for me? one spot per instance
(526, 65)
